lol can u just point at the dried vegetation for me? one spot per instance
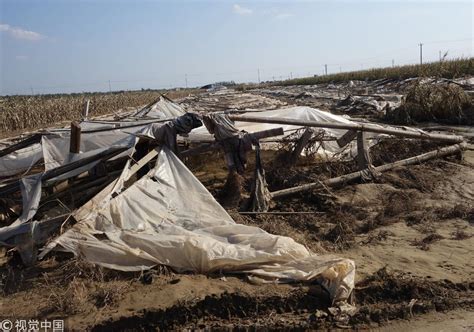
(442, 103)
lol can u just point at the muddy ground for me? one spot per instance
(410, 233)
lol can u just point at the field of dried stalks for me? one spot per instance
(22, 113)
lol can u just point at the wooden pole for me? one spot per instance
(355, 126)
(363, 156)
(356, 175)
(266, 133)
(75, 140)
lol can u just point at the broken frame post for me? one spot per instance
(75, 140)
(364, 161)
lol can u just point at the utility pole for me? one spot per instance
(186, 80)
(326, 69)
(340, 69)
(258, 74)
(393, 63)
(291, 75)
(273, 78)
(421, 53)
(110, 87)
(439, 56)
(32, 91)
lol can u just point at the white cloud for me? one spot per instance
(283, 16)
(241, 10)
(19, 33)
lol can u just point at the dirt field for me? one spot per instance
(409, 232)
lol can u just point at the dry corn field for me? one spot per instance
(22, 113)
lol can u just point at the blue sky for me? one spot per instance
(51, 46)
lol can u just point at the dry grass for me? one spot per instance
(71, 299)
(78, 286)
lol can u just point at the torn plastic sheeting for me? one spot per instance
(21, 160)
(31, 189)
(168, 217)
(31, 194)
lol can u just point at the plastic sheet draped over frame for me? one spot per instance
(54, 147)
(168, 217)
(328, 149)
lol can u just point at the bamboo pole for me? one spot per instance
(356, 175)
(355, 126)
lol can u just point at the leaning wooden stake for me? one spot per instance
(302, 142)
(356, 175)
(401, 132)
(346, 138)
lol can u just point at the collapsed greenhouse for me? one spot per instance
(116, 192)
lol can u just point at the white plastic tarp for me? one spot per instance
(168, 217)
(162, 109)
(56, 148)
